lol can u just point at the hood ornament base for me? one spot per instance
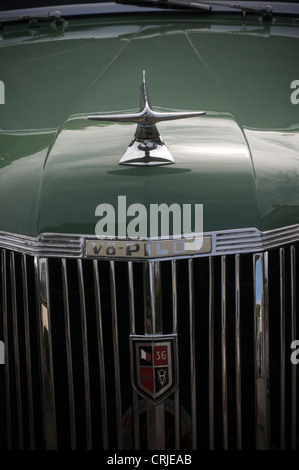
(147, 148)
(147, 152)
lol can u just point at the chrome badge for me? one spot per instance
(154, 366)
(148, 249)
(147, 147)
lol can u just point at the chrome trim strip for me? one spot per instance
(261, 332)
(48, 245)
(68, 346)
(293, 338)
(100, 339)
(282, 345)
(223, 354)
(7, 356)
(152, 298)
(248, 240)
(16, 349)
(192, 354)
(155, 426)
(28, 351)
(174, 296)
(85, 356)
(211, 353)
(156, 300)
(45, 342)
(146, 303)
(153, 325)
(133, 332)
(177, 420)
(136, 420)
(131, 297)
(238, 353)
(116, 357)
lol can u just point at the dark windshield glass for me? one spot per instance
(19, 4)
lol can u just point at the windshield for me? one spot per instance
(19, 4)
(45, 9)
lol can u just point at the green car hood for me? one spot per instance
(240, 160)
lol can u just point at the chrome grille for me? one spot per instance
(66, 325)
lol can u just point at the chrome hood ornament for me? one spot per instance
(147, 147)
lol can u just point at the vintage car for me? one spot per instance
(149, 225)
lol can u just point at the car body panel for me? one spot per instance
(240, 160)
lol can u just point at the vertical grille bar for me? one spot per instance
(156, 426)
(267, 352)
(28, 351)
(16, 349)
(293, 335)
(261, 333)
(238, 352)
(174, 296)
(133, 331)
(152, 292)
(101, 355)
(175, 329)
(68, 353)
(7, 356)
(116, 357)
(282, 345)
(47, 376)
(85, 356)
(131, 297)
(223, 353)
(211, 353)
(192, 354)
(153, 325)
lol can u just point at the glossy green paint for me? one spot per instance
(241, 160)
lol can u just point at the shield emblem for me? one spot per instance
(154, 366)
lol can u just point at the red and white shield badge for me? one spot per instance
(154, 366)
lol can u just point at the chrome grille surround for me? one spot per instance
(207, 292)
(223, 242)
